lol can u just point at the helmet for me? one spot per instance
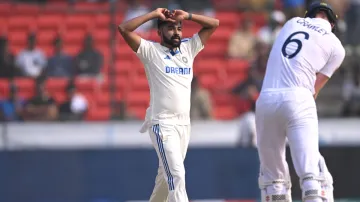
(315, 7)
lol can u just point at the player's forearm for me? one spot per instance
(132, 24)
(206, 22)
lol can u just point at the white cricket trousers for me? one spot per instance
(289, 114)
(171, 144)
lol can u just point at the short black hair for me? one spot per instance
(162, 22)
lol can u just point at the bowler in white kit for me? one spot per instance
(169, 70)
(304, 56)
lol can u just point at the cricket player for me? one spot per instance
(169, 70)
(303, 58)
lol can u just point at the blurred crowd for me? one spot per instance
(31, 62)
(248, 43)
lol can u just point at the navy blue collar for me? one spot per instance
(174, 52)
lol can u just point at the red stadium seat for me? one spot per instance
(102, 21)
(50, 21)
(103, 100)
(80, 21)
(137, 98)
(225, 112)
(86, 84)
(208, 66)
(46, 37)
(237, 66)
(5, 8)
(229, 19)
(27, 9)
(91, 6)
(98, 114)
(140, 84)
(4, 88)
(102, 36)
(60, 96)
(18, 38)
(21, 22)
(57, 84)
(74, 36)
(25, 84)
(72, 50)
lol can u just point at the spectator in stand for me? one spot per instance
(269, 32)
(42, 106)
(351, 92)
(249, 90)
(32, 60)
(60, 64)
(89, 61)
(201, 106)
(75, 107)
(7, 60)
(242, 42)
(11, 109)
(138, 8)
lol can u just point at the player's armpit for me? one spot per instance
(321, 80)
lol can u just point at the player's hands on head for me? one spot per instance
(179, 15)
(164, 14)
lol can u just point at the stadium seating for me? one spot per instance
(211, 66)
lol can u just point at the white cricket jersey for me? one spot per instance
(303, 48)
(169, 76)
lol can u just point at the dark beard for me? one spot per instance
(172, 42)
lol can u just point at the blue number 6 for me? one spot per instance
(299, 43)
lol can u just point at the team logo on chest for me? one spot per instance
(184, 59)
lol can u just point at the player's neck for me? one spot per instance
(169, 46)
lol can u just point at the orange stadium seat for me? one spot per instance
(229, 19)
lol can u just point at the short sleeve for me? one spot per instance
(336, 59)
(145, 50)
(194, 45)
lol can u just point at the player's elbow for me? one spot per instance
(216, 23)
(121, 29)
